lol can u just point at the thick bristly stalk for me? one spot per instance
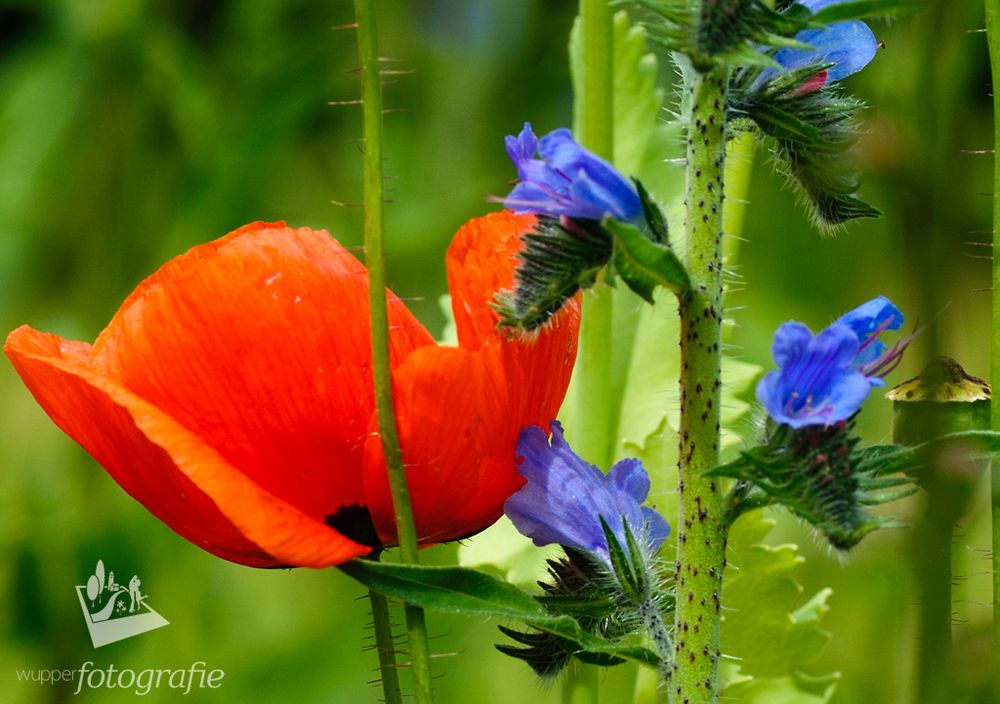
(371, 96)
(993, 34)
(701, 533)
(593, 408)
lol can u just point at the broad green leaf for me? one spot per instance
(454, 589)
(470, 592)
(797, 689)
(651, 395)
(769, 629)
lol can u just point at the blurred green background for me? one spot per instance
(131, 130)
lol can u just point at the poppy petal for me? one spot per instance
(170, 470)
(258, 343)
(459, 411)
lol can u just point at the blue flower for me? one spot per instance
(849, 46)
(565, 498)
(825, 378)
(568, 180)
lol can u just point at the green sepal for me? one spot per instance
(655, 221)
(820, 475)
(559, 258)
(644, 264)
(727, 29)
(627, 567)
(861, 9)
(809, 132)
(782, 124)
(672, 23)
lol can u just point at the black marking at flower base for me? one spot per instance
(355, 522)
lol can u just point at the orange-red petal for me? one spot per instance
(170, 470)
(258, 343)
(459, 411)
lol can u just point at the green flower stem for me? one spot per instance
(701, 533)
(385, 644)
(931, 548)
(406, 532)
(993, 35)
(652, 619)
(592, 400)
(593, 395)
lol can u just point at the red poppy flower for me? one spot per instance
(232, 395)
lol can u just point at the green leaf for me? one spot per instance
(769, 630)
(793, 689)
(454, 589)
(860, 9)
(644, 264)
(470, 592)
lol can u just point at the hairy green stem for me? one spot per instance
(385, 645)
(652, 619)
(701, 535)
(993, 35)
(593, 407)
(931, 548)
(406, 532)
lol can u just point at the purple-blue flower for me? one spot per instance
(824, 378)
(568, 180)
(849, 46)
(565, 498)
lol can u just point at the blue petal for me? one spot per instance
(817, 383)
(850, 46)
(868, 319)
(609, 191)
(870, 316)
(629, 477)
(523, 147)
(568, 180)
(847, 395)
(565, 498)
(657, 528)
(791, 340)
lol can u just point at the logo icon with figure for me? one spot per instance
(114, 611)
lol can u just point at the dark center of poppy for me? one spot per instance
(355, 522)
